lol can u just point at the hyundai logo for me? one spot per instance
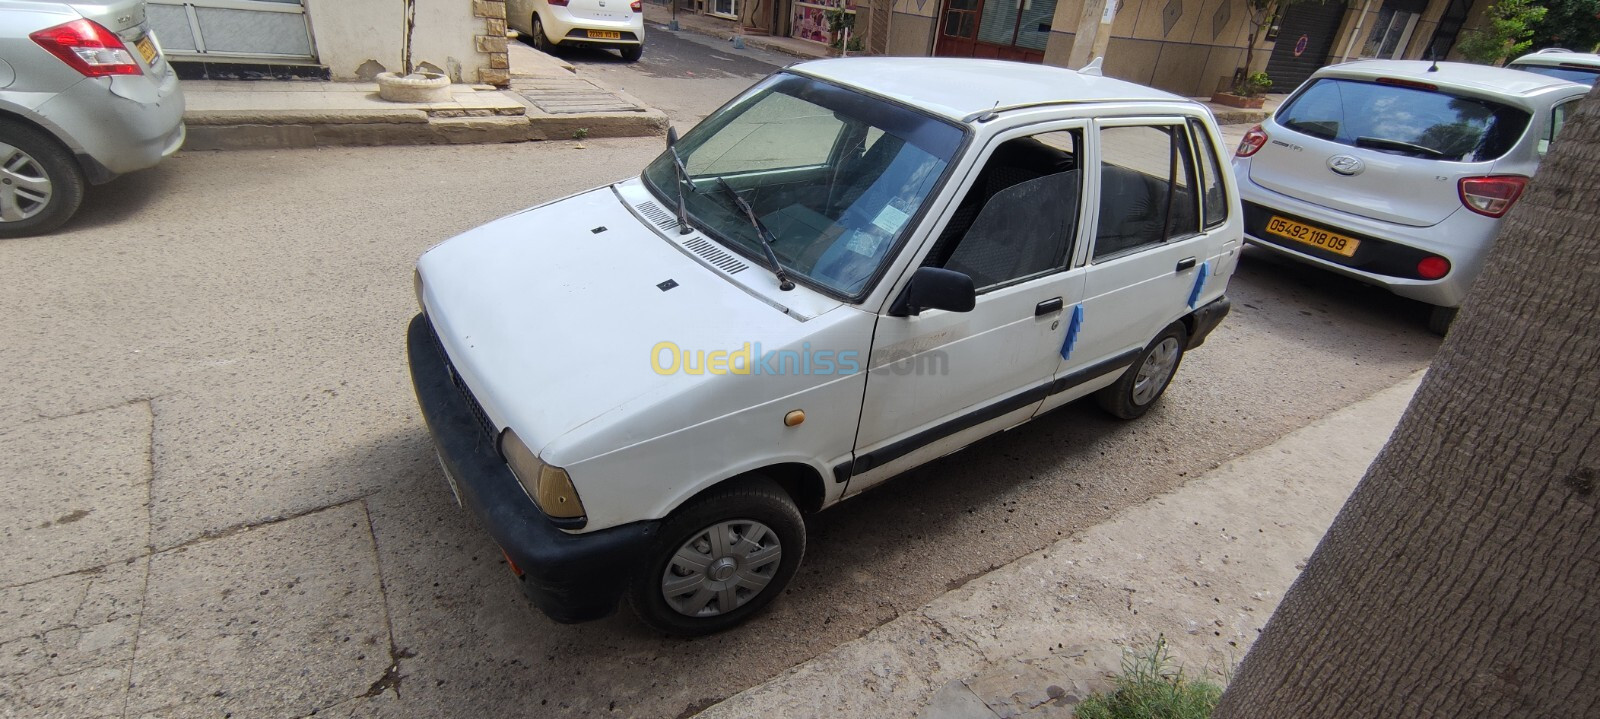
(1346, 164)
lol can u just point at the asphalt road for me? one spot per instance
(283, 497)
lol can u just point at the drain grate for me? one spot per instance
(566, 96)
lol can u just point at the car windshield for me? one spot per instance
(836, 175)
(1405, 120)
(1570, 73)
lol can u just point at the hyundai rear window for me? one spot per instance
(1405, 120)
(1570, 73)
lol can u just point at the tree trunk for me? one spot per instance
(1460, 580)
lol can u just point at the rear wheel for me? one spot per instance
(1440, 319)
(720, 560)
(1147, 379)
(632, 53)
(540, 42)
(41, 184)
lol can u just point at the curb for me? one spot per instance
(274, 129)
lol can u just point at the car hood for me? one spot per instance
(551, 316)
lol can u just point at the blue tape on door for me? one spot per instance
(1073, 325)
(1199, 283)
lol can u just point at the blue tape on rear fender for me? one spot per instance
(1199, 283)
(1073, 325)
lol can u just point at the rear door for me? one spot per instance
(1150, 256)
(1391, 151)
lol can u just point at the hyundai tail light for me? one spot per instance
(1492, 195)
(638, 5)
(89, 48)
(1433, 267)
(1253, 140)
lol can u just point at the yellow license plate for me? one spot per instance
(1306, 234)
(604, 35)
(147, 49)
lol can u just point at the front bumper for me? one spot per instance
(569, 577)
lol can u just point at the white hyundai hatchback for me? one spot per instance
(1397, 173)
(855, 267)
(617, 24)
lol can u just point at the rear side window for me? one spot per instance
(1214, 199)
(1404, 120)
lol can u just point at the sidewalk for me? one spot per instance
(1204, 566)
(228, 115)
(727, 29)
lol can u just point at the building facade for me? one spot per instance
(333, 39)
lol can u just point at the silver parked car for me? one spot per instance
(1397, 173)
(85, 95)
(1581, 67)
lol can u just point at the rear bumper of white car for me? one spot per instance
(1388, 252)
(566, 28)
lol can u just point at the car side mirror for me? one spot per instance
(935, 288)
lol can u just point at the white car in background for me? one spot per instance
(1397, 173)
(617, 24)
(1583, 67)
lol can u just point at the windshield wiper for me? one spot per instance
(784, 283)
(683, 177)
(1382, 144)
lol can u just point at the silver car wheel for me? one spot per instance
(721, 567)
(24, 187)
(1155, 371)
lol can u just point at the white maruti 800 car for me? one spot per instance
(853, 268)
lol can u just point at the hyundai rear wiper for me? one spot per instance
(1378, 143)
(762, 234)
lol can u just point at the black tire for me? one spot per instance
(631, 53)
(1440, 319)
(36, 157)
(1129, 398)
(540, 41)
(734, 509)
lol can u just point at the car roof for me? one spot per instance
(961, 88)
(1476, 79)
(1559, 57)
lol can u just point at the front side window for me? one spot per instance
(1018, 218)
(1147, 192)
(1405, 119)
(836, 176)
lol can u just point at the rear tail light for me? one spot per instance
(1253, 140)
(637, 6)
(1492, 195)
(558, 3)
(1433, 267)
(89, 48)
(1397, 82)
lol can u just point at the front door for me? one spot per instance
(1000, 29)
(941, 380)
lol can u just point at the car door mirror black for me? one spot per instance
(935, 288)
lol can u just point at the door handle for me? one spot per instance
(1185, 264)
(1053, 304)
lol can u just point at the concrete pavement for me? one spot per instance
(1203, 566)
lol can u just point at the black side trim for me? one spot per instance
(1206, 319)
(841, 473)
(1095, 370)
(888, 453)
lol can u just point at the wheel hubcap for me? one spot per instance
(1155, 371)
(25, 189)
(721, 568)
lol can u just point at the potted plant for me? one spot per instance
(1247, 93)
(413, 85)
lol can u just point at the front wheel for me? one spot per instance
(1147, 379)
(720, 560)
(632, 53)
(41, 185)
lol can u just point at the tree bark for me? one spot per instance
(1460, 579)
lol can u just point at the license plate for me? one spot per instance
(1306, 234)
(604, 35)
(147, 49)
(449, 478)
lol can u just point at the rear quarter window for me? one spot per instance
(1403, 120)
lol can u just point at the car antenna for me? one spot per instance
(1434, 56)
(989, 114)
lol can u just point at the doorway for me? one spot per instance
(998, 29)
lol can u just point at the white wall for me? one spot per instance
(348, 33)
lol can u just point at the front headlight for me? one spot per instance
(549, 487)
